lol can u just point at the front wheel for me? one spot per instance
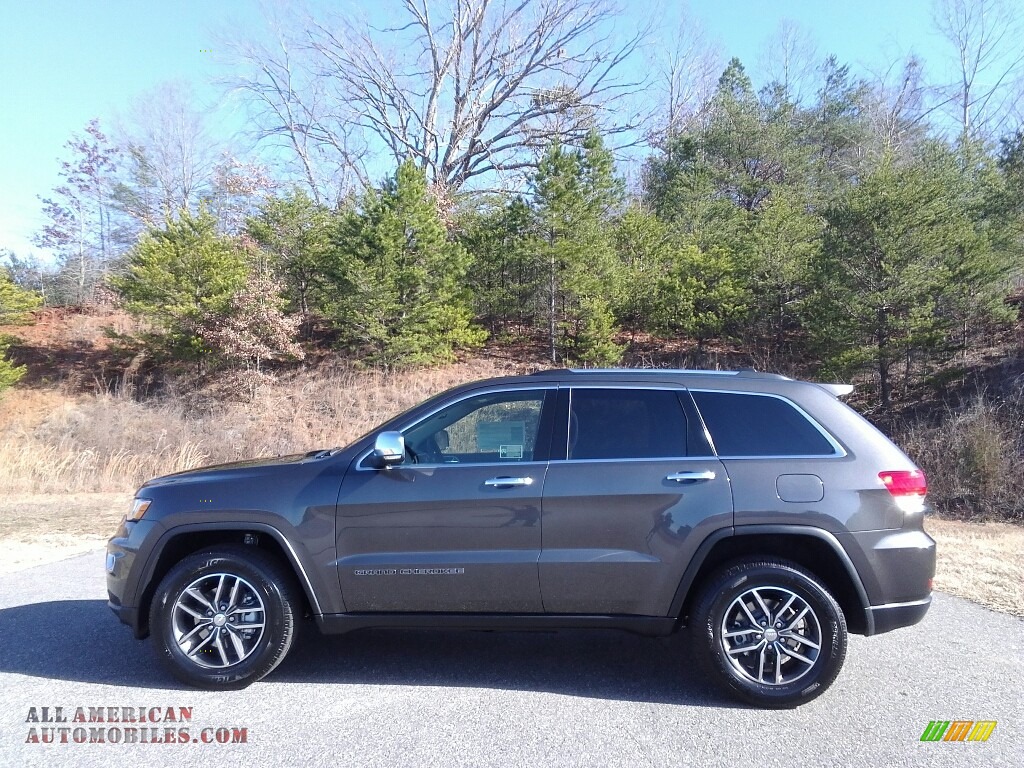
(769, 633)
(224, 618)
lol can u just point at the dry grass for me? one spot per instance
(37, 529)
(51, 442)
(973, 459)
(983, 562)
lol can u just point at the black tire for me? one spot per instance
(775, 673)
(264, 586)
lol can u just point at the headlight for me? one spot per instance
(139, 507)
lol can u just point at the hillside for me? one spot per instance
(89, 417)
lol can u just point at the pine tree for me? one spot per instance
(15, 304)
(903, 257)
(296, 233)
(397, 281)
(575, 193)
(179, 276)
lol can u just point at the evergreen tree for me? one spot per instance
(507, 272)
(178, 277)
(15, 304)
(902, 256)
(296, 233)
(397, 283)
(575, 192)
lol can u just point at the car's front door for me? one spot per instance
(456, 526)
(632, 490)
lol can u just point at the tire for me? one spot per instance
(782, 668)
(229, 648)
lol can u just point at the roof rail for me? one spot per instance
(745, 372)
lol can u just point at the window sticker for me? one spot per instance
(491, 435)
(510, 451)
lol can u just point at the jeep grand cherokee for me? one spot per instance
(759, 512)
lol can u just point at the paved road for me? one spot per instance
(403, 698)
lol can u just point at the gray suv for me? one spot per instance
(759, 512)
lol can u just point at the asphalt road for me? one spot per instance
(404, 698)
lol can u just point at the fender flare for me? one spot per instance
(146, 577)
(697, 561)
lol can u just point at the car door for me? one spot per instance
(456, 526)
(632, 490)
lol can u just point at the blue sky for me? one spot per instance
(63, 62)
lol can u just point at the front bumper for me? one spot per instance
(125, 560)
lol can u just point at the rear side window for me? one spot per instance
(758, 425)
(626, 424)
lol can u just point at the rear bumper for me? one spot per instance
(884, 618)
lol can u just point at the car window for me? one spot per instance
(759, 425)
(494, 427)
(626, 424)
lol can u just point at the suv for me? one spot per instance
(759, 511)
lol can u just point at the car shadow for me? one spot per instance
(591, 663)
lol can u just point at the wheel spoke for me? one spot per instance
(220, 588)
(778, 668)
(741, 632)
(234, 593)
(244, 609)
(790, 652)
(192, 613)
(197, 628)
(800, 639)
(764, 608)
(200, 646)
(783, 609)
(236, 641)
(746, 649)
(753, 621)
(220, 647)
(795, 621)
(760, 664)
(198, 597)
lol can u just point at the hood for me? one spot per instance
(236, 469)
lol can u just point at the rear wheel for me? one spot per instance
(224, 618)
(769, 633)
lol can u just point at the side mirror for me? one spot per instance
(389, 449)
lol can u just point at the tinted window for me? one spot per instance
(496, 427)
(755, 425)
(625, 424)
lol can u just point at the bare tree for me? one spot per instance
(789, 60)
(171, 155)
(985, 36)
(898, 107)
(469, 88)
(78, 216)
(298, 111)
(685, 70)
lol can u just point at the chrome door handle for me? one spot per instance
(508, 482)
(692, 477)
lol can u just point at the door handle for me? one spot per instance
(692, 477)
(508, 482)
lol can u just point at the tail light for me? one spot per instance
(907, 486)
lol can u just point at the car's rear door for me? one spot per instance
(456, 527)
(632, 489)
